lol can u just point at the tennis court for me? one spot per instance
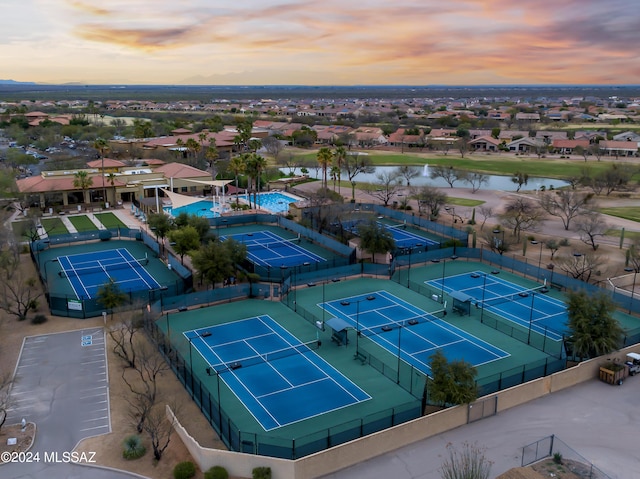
(265, 248)
(403, 237)
(530, 308)
(409, 332)
(279, 379)
(88, 272)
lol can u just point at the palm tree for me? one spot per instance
(102, 146)
(256, 164)
(324, 157)
(82, 180)
(111, 178)
(238, 165)
(194, 148)
(335, 174)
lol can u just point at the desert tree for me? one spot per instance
(430, 197)
(476, 180)
(581, 266)
(520, 179)
(142, 382)
(469, 462)
(353, 165)
(552, 245)
(159, 428)
(486, 212)
(185, 240)
(593, 329)
(124, 336)
(447, 173)
(19, 291)
(408, 173)
(632, 255)
(273, 146)
(590, 226)
(6, 382)
(385, 187)
(521, 214)
(565, 204)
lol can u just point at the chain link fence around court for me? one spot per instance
(68, 305)
(554, 448)
(206, 394)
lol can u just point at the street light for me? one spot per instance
(353, 191)
(46, 276)
(499, 244)
(417, 245)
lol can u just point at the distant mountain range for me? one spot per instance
(13, 82)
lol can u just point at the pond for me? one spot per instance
(495, 182)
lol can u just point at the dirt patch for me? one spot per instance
(24, 438)
(568, 469)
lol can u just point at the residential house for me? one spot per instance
(485, 143)
(619, 148)
(567, 147)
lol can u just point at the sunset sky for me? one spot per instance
(329, 42)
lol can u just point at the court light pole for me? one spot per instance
(399, 351)
(484, 289)
(533, 297)
(444, 262)
(190, 364)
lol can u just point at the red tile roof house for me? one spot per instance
(485, 143)
(399, 138)
(55, 189)
(620, 148)
(567, 147)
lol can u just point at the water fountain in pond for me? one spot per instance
(425, 170)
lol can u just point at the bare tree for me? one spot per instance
(476, 180)
(387, 185)
(521, 214)
(408, 173)
(123, 335)
(273, 146)
(520, 179)
(19, 292)
(159, 428)
(498, 240)
(553, 246)
(590, 226)
(632, 255)
(431, 198)
(581, 265)
(447, 173)
(290, 161)
(6, 381)
(142, 381)
(565, 204)
(486, 212)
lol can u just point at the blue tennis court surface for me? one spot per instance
(399, 326)
(526, 307)
(265, 248)
(404, 238)
(279, 379)
(88, 272)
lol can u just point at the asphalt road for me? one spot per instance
(598, 420)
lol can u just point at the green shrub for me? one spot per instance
(39, 319)
(557, 458)
(564, 242)
(216, 472)
(261, 473)
(133, 448)
(184, 470)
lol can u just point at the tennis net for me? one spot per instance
(270, 356)
(413, 321)
(102, 268)
(284, 243)
(511, 297)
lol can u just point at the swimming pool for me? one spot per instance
(274, 201)
(200, 208)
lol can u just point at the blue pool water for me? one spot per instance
(274, 201)
(200, 208)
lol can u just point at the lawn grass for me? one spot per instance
(110, 221)
(464, 202)
(627, 212)
(54, 226)
(615, 233)
(82, 223)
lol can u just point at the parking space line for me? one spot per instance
(97, 427)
